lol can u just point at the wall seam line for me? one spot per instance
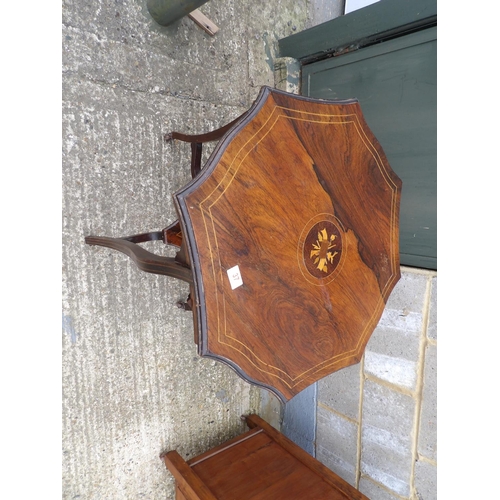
(360, 416)
(336, 412)
(420, 384)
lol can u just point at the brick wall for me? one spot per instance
(376, 421)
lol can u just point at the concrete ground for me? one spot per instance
(133, 385)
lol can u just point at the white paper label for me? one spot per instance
(234, 277)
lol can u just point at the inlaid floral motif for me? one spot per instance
(322, 253)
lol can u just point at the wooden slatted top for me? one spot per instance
(300, 205)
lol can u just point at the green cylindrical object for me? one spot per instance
(166, 12)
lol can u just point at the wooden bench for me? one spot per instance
(261, 464)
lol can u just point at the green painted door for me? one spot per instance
(395, 83)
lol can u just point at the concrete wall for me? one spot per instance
(377, 420)
(133, 385)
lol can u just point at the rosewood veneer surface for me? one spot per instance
(299, 195)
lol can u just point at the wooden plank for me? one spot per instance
(310, 462)
(203, 22)
(358, 28)
(258, 465)
(179, 495)
(259, 469)
(301, 483)
(247, 469)
(188, 482)
(223, 447)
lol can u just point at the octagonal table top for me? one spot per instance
(292, 231)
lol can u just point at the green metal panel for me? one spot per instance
(360, 28)
(395, 83)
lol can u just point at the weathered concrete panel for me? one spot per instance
(299, 419)
(325, 10)
(426, 480)
(133, 384)
(432, 327)
(144, 69)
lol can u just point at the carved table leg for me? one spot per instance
(187, 305)
(197, 142)
(145, 260)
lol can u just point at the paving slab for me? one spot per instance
(341, 391)
(387, 437)
(392, 353)
(425, 480)
(427, 437)
(337, 444)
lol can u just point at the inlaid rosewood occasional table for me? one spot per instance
(288, 237)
